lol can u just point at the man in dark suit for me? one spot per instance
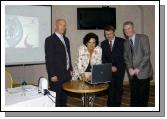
(112, 52)
(137, 59)
(58, 61)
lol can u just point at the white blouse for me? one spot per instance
(84, 58)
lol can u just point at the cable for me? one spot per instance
(47, 92)
(51, 98)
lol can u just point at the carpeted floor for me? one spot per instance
(74, 100)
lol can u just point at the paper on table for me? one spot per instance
(29, 90)
(13, 90)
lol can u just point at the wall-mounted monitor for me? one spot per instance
(95, 18)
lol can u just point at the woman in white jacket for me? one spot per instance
(89, 54)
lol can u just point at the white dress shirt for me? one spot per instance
(67, 56)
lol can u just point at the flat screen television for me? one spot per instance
(95, 18)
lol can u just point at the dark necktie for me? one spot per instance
(132, 52)
(111, 45)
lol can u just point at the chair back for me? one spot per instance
(8, 80)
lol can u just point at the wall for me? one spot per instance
(69, 13)
(142, 16)
(149, 29)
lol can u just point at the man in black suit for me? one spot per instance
(58, 61)
(113, 52)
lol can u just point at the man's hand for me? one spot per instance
(114, 69)
(71, 73)
(136, 71)
(54, 79)
(131, 72)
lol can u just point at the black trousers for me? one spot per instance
(139, 89)
(61, 96)
(115, 92)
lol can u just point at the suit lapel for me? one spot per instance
(65, 40)
(115, 44)
(58, 40)
(136, 43)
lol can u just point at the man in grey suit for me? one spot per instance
(137, 59)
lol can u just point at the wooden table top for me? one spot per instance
(79, 86)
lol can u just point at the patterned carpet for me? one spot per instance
(74, 100)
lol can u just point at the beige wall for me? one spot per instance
(142, 16)
(149, 29)
(69, 13)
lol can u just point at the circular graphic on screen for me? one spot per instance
(13, 30)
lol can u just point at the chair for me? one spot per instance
(8, 80)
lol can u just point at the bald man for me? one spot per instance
(58, 61)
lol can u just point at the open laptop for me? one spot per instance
(101, 73)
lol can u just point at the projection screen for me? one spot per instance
(26, 28)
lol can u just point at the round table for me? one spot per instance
(79, 86)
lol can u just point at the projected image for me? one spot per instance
(21, 32)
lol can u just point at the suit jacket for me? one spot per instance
(115, 56)
(55, 56)
(141, 56)
(83, 59)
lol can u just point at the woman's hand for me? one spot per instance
(83, 77)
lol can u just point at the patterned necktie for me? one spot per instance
(131, 45)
